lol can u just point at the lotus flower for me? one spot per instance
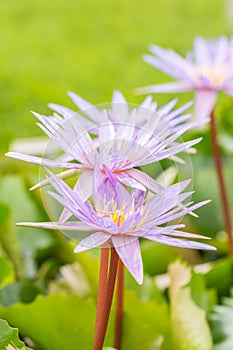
(207, 70)
(119, 218)
(122, 146)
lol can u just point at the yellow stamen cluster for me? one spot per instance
(116, 215)
(217, 75)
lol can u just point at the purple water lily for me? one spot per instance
(207, 70)
(122, 146)
(119, 218)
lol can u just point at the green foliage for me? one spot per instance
(9, 338)
(203, 297)
(220, 276)
(222, 324)
(55, 322)
(93, 48)
(6, 272)
(189, 325)
(205, 182)
(89, 47)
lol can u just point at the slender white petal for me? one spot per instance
(92, 241)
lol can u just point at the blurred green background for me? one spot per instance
(93, 47)
(90, 47)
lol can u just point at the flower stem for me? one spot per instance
(103, 322)
(222, 186)
(119, 306)
(102, 283)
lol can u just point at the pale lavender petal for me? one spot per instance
(172, 87)
(179, 64)
(166, 230)
(163, 66)
(204, 103)
(106, 133)
(41, 161)
(67, 113)
(69, 199)
(83, 187)
(128, 249)
(63, 175)
(68, 226)
(168, 107)
(147, 103)
(95, 240)
(145, 180)
(201, 51)
(180, 110)
(118, 97)
(222, 51)
(128, 180)
(179, 212)
(87, 108)
(181, 243)
(185, 235)
(176, 148)
(166, 199)
(119, 107)
(172, 231)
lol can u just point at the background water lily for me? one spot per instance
(207, 70)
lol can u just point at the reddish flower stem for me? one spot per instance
(102, 283)
(222, 186)
(119, 306)
(103, 322)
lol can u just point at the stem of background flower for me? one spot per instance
(103, 322)
(221, 182)
(119, 306)
(102, 284)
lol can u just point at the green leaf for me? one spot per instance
(189, 325)
(22, 208)
(16, 292)
(56, 322)
(206, 187)
(145, 324)
(152, 253)
(90, 265)
(9, 240)
(222, 324)
(6, 271)
(72, 280)
(9, 337)
(203, 297)
(220, 276)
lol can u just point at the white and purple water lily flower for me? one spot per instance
(119, 218)
(122, 146)
(207, 70)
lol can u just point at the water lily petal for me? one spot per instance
(95, 240)
(128, 249)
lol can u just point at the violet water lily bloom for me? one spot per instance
(119, 218)
(122, 147)
(207, 70)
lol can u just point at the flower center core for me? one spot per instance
(211, 75)
(118, 216)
